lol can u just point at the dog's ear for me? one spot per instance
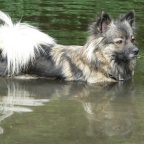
(101, 24)
(129, 17)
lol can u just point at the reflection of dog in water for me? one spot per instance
(108, 108)
(16, 98)
(108, 55)
(110, 112)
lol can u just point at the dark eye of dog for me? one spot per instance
(132, 39)
(119, 42)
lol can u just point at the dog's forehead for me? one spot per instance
(125, 29)
(121, 29)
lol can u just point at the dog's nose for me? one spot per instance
(135, 51)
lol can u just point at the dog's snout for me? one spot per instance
(135, 51)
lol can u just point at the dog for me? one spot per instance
(109, 54)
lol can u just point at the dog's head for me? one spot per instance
(115, 41)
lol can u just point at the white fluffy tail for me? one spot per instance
(19, 42)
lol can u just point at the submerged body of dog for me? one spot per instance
(108, 55)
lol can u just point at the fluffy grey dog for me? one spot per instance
(109, 53)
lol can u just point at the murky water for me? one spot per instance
(56, 112)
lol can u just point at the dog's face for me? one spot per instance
(117, 44)
(119, 38)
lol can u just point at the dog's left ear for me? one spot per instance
(129, 17)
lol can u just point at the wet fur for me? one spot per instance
(99, 60)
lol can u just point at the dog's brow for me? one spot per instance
(124, 30)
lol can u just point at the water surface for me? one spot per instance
(57, 112)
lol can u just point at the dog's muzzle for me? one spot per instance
(135, 51)
(127, 55)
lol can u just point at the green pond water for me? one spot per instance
(56, 112)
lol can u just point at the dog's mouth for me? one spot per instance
(123, 58)
(132, 56)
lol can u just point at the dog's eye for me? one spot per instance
(119, 42)
(133, 40)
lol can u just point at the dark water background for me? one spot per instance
(55, 112)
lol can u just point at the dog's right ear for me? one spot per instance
(101, 24)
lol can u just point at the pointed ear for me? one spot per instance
(100, 25)
(103, 22)
(129, 17)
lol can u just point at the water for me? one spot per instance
(56, 112)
